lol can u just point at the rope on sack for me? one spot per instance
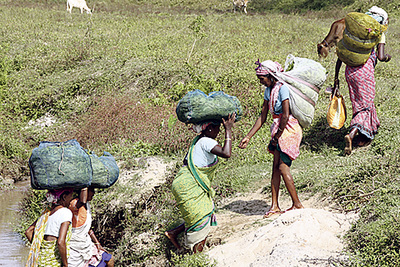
(62, 158)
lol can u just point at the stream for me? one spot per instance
(13, 251)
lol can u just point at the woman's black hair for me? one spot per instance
(213, 124)
(65, 193)
(268, 76)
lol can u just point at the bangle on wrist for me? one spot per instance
(279, 129)
(228, 139)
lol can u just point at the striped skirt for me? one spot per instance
(361, 82)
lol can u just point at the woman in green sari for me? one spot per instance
(192, 185)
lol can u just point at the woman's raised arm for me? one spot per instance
(226, 150)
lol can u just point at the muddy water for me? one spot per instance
(13, 251)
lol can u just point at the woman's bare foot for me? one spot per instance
(348, 147)
(295, 207)
(173, 238)
(363, 141)
(173, 235)
(199, 246)
(271, 213)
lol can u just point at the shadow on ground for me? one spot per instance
(251, 207)
(320, 135)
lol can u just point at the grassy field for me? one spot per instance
(112, 81)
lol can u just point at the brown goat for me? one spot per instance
(332, 39)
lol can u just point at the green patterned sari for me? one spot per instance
(193, 193)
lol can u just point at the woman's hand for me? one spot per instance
(257, 125)
(387, 58)
(229, 123)
(99, 247)
(274, 141)
(335, 89)
(30, 232)
(272, 144)
(382, 56)
(245, 141)
(83, 196)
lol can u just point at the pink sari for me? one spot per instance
(361, 82)
(289, 142)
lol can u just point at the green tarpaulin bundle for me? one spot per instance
(360, 36)
(56, 165)
(197, 107)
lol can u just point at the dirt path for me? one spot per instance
(309, 237)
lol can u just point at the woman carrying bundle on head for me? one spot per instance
(50, 233)
(192, 185)
(286, 133)
(86, 249)
(361, 82)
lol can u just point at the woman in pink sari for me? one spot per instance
(286, 133)
(361, 82)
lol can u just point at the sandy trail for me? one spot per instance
(308, 237)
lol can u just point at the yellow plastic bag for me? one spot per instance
(336, 115)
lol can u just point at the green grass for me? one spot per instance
(112, 80)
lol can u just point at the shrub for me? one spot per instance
(30, 209)
(131, 122)
(192, 260)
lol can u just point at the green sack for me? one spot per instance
(363, 26)
(361, 35)
(105, 170)
(196, 107)
(56, 165)
(349, 57)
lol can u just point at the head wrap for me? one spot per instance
(53, 196)
(378, 14)
(268, 67)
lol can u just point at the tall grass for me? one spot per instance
(112, 80)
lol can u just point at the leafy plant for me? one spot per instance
(193, 260)
(197, 28)
(116, 89)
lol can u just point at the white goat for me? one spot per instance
(240, 4)
(79, 4)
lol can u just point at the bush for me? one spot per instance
(113, 79)
(30, 209)
(150, 129)
(193, 260)
(374, 239)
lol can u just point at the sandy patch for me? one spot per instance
(308, 237)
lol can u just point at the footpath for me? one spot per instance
(306, 237)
